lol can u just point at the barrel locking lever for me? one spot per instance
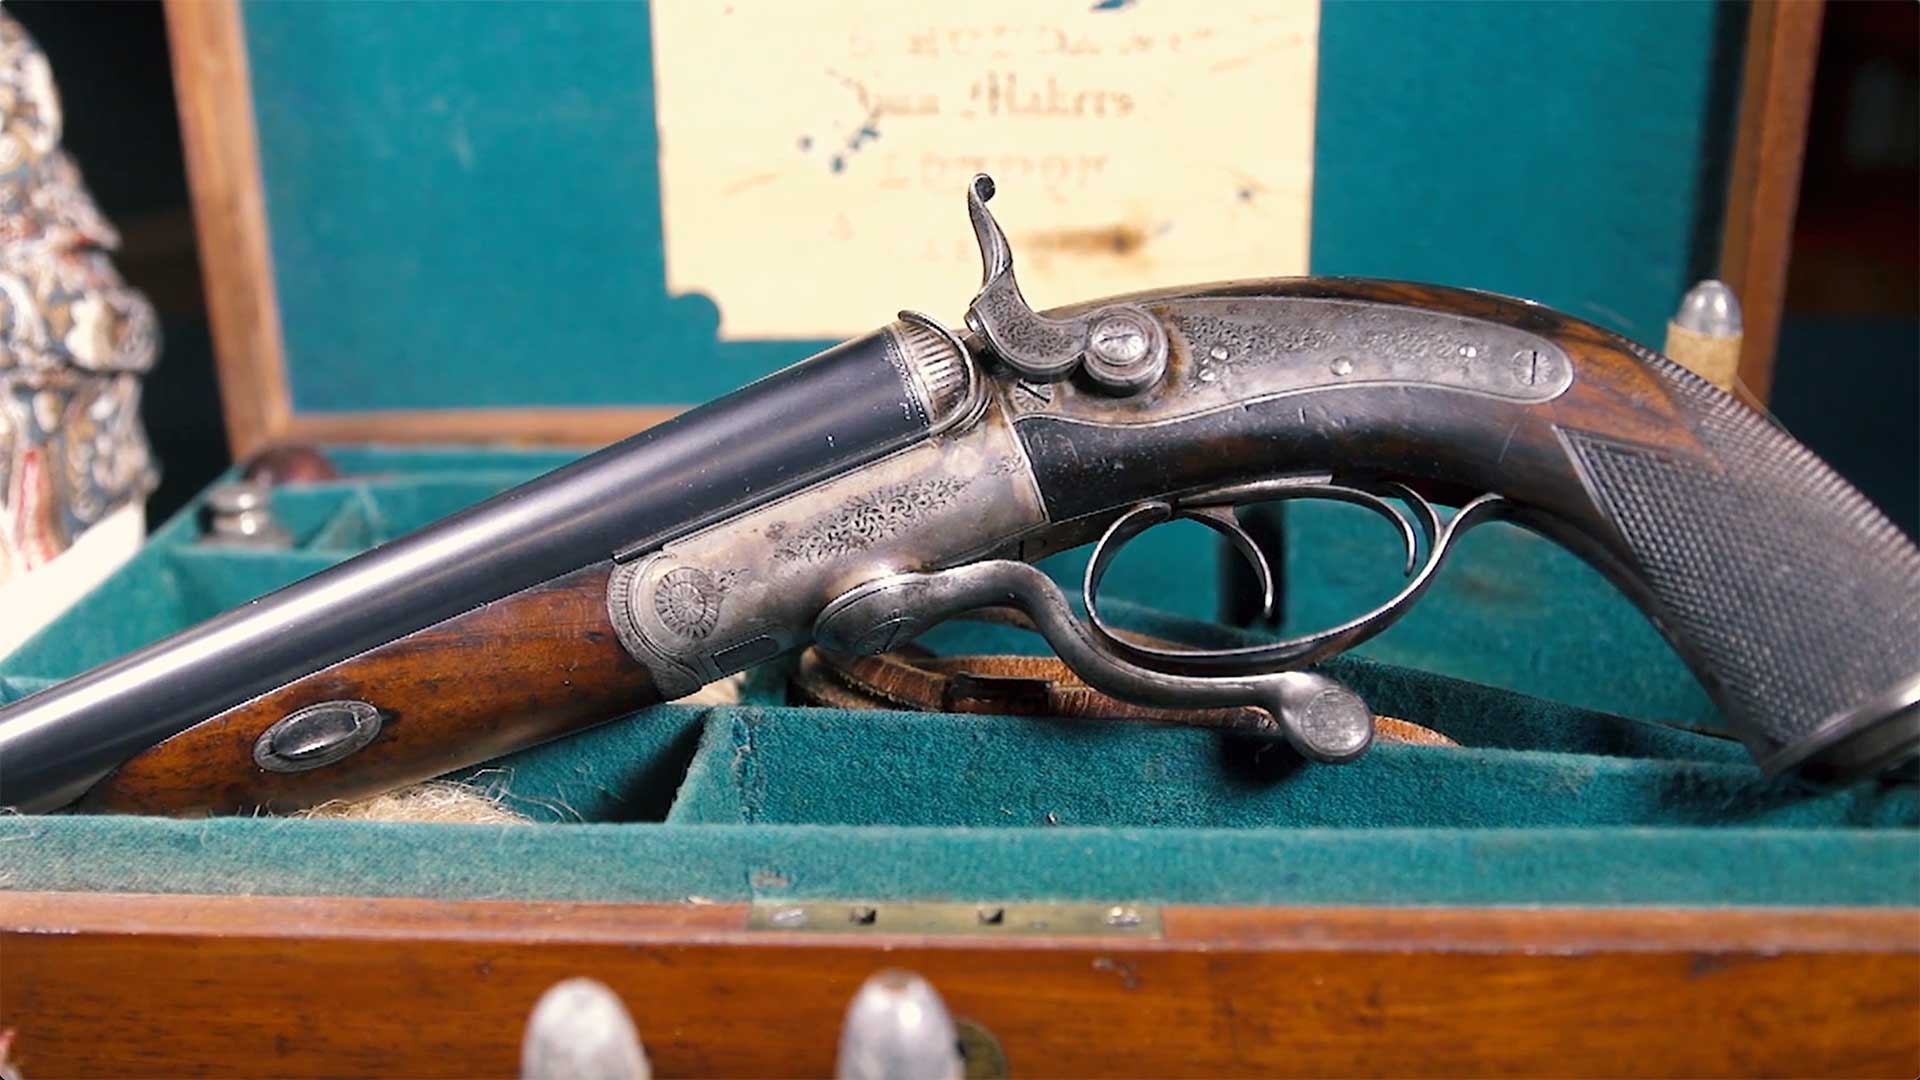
(1322, 719)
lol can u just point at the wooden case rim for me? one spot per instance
(223, 168)
(303, 986)
(1539, 930)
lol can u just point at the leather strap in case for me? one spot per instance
(915, 679)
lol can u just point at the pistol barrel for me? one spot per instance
(850, 404)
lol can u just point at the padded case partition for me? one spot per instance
(1549, 800)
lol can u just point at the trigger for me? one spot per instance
(1223, 520)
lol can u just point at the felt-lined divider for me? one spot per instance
(918, 806)
(666, 863)
(626, 771)
(825, 767)
(1522, 763)
(1547, 804)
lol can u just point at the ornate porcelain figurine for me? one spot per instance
(74, 341)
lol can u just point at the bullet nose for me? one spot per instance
(897, 1028)
(1710, 308)
(579, 1030)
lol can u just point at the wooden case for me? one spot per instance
(152, 979)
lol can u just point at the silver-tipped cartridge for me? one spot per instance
(1706, 333)
(580, 1031)
(897, 1028)
(1710, 308)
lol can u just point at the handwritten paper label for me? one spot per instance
(814, 154)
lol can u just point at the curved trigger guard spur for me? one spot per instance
(1214, 509)
(1319, 717)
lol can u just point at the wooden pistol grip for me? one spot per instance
(1795, 601)
(518, 671)
(1792, 596)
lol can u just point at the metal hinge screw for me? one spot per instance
(1126, 351)
(1119, 339)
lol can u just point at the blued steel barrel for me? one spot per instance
(850, 404)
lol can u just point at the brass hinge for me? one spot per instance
(981, 919)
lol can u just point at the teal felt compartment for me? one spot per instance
(463, 200)
(823, 767)
(1424, 867)
(629, 771)
(1549, 803)
(1524, 763)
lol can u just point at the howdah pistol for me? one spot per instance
(915, 473)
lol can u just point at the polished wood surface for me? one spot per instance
(1763, 192)
(223, 169)
(104, 985)
(512, 673)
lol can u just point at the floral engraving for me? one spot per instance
(688, 600)
(866, 519)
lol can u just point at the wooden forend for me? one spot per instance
(139, 985)
(531, 666)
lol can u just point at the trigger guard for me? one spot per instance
(1146, 516)
(1291, 653)
(1221, 519)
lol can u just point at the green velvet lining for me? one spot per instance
(15, 687)
(1548, 802)
(823, 767)
(1701, 867)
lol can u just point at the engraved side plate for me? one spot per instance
(1244, 349)
(749, 589)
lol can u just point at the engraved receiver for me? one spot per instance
(914, 474)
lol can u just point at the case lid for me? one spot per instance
(444, 222)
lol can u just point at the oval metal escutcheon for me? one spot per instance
(317, 735)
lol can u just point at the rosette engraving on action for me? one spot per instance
(687, 600)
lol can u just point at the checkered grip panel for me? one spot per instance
(1798, 599)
